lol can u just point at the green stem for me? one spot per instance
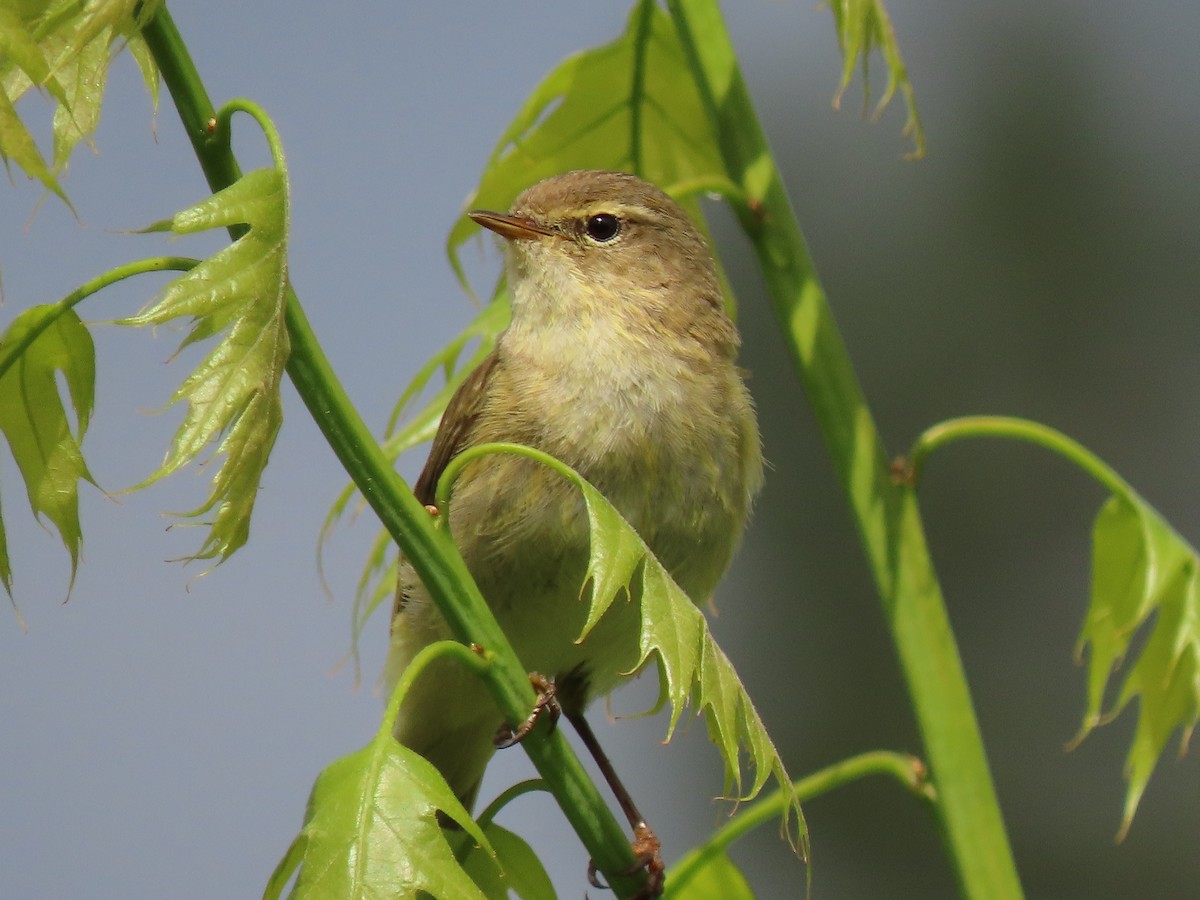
(908, 770)
(886, 514)
(641, 45)
(478, 663)
(1015, 429)
(11, 352)
(430, 550)
(507, 796)
(466, 457)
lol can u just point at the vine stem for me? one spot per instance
(886, 512)
(10, 353)
(907, 770)
(1012, 428)
(429, 549)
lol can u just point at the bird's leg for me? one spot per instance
(547, 702)
(646, 845)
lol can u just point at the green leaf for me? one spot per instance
(372, 826)
(717, 879)
(371, 831)
(65, 48)
(35, 423)
(233, 395)
(1142, 569)
(863, 26)
(630, 105)
(515, 868)
(694, 670)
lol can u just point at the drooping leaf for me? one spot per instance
(693, 670)
(233, 395)
(65, 49)
(864, 26)
(717, 879)
(371, 831)
(1142, 569)
(35, 422)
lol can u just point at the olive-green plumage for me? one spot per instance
(620, 361)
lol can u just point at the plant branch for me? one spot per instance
(429, 549)
(1012, 428)
(11, 352)
(886, 514)
(907, 770)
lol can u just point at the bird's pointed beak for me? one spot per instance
(514, 228)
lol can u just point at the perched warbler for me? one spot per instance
(621, 361)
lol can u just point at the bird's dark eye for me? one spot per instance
(603, 227)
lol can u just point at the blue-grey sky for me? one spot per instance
(162, 730)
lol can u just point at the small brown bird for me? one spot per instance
(621, 361)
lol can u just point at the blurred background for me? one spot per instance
(162, 729)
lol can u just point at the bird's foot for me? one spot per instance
(646, 847)
(546, 703)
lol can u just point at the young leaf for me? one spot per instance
(34, 419)
(717, 879)
(862, 26)
(372, 826)
(1142, 568)
(233, 395)
(371, 830)
(65, 48)
(693, 670)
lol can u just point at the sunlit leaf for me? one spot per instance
(64, 49)
(717, 879)
(233, 395)
(693, 670)
(35, 421)
(371, 831)
(864, 26)
(1142, 569)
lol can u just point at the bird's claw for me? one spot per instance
(547, 702)
(646, 847)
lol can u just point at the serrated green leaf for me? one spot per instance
(17, 145)
(233, 395)
(1141, 569)
(717, 879)
(515, 868)
(65, 48)
(864, 26)
(35, 423)
(629, 105)
(693, 669)
(82, 76)
(371, 831)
